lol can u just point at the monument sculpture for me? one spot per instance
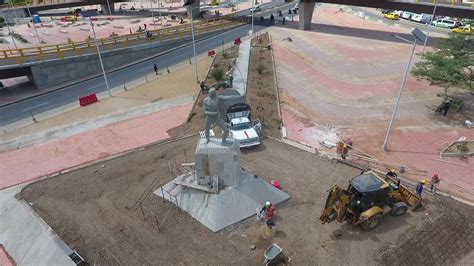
(217, 191)
(211, 109)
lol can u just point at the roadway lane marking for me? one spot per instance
(96, 86)
(27, 109)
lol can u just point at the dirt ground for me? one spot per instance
(261, 90)
(261, 87)
(94, 209)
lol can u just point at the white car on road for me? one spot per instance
(256, 8)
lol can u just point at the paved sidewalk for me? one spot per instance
(179, 83)
(346, 86)
(242, 69)
(129, 120)
(25, 236)
(31, 162)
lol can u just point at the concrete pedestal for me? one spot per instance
(242, 195)
(305, 15)
(215, 160)
(230, 205)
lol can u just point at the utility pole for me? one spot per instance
(100, 58)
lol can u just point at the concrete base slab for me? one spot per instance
(229, 206)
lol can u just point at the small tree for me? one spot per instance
(218, 74)
(451, 65)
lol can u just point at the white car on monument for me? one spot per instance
(241, 129)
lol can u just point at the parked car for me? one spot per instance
(446, 23)
(421, 18)
(463, 30)
(406, 15)
(391, 16)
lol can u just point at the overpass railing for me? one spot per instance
(41, 53)
(31, 4)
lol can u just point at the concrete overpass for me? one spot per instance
(452, 8)
(48, 66)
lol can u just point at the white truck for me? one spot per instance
(240, 125)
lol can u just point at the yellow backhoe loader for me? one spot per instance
(368, 197)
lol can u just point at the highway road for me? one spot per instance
(42, 103)
(69, 94)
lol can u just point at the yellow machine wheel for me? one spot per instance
(371, 223)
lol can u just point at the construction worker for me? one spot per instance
(419, 187)
(269, 210)
(392, 173)
(345, 151)
(434, 183)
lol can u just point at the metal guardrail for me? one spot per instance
(30, 4)
(41, 53)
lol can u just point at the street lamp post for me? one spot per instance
(110, 11)
(34, 24)
(253, 10)
(100, 58)
(422, 37)
(194, 42)
(9, 31)
(430, 26)
(14, 11)
(152, 17)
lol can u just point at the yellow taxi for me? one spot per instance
(70, 18)
(463, 30)
(392, 16)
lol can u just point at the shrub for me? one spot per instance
(18, 36)
(217, 74)
(2, 19)
(261, 69)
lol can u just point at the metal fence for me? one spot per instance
(41, 53)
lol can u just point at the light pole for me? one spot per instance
(100, 58)
(9, 31)
(152, 17)
(431, 25)
(34, 24)
(418, 34)
(14, 11)
(159, 13)
(252, 10)
(110, 11)
(194, 43)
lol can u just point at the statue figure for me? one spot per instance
(211, 109)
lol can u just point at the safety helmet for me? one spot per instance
(423, 181)
(345, 146)
(268, 204)
(392, 170)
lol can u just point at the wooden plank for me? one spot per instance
(352, 147)
(443, 161)
(186, 184)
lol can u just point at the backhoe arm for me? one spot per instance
(329, 213)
